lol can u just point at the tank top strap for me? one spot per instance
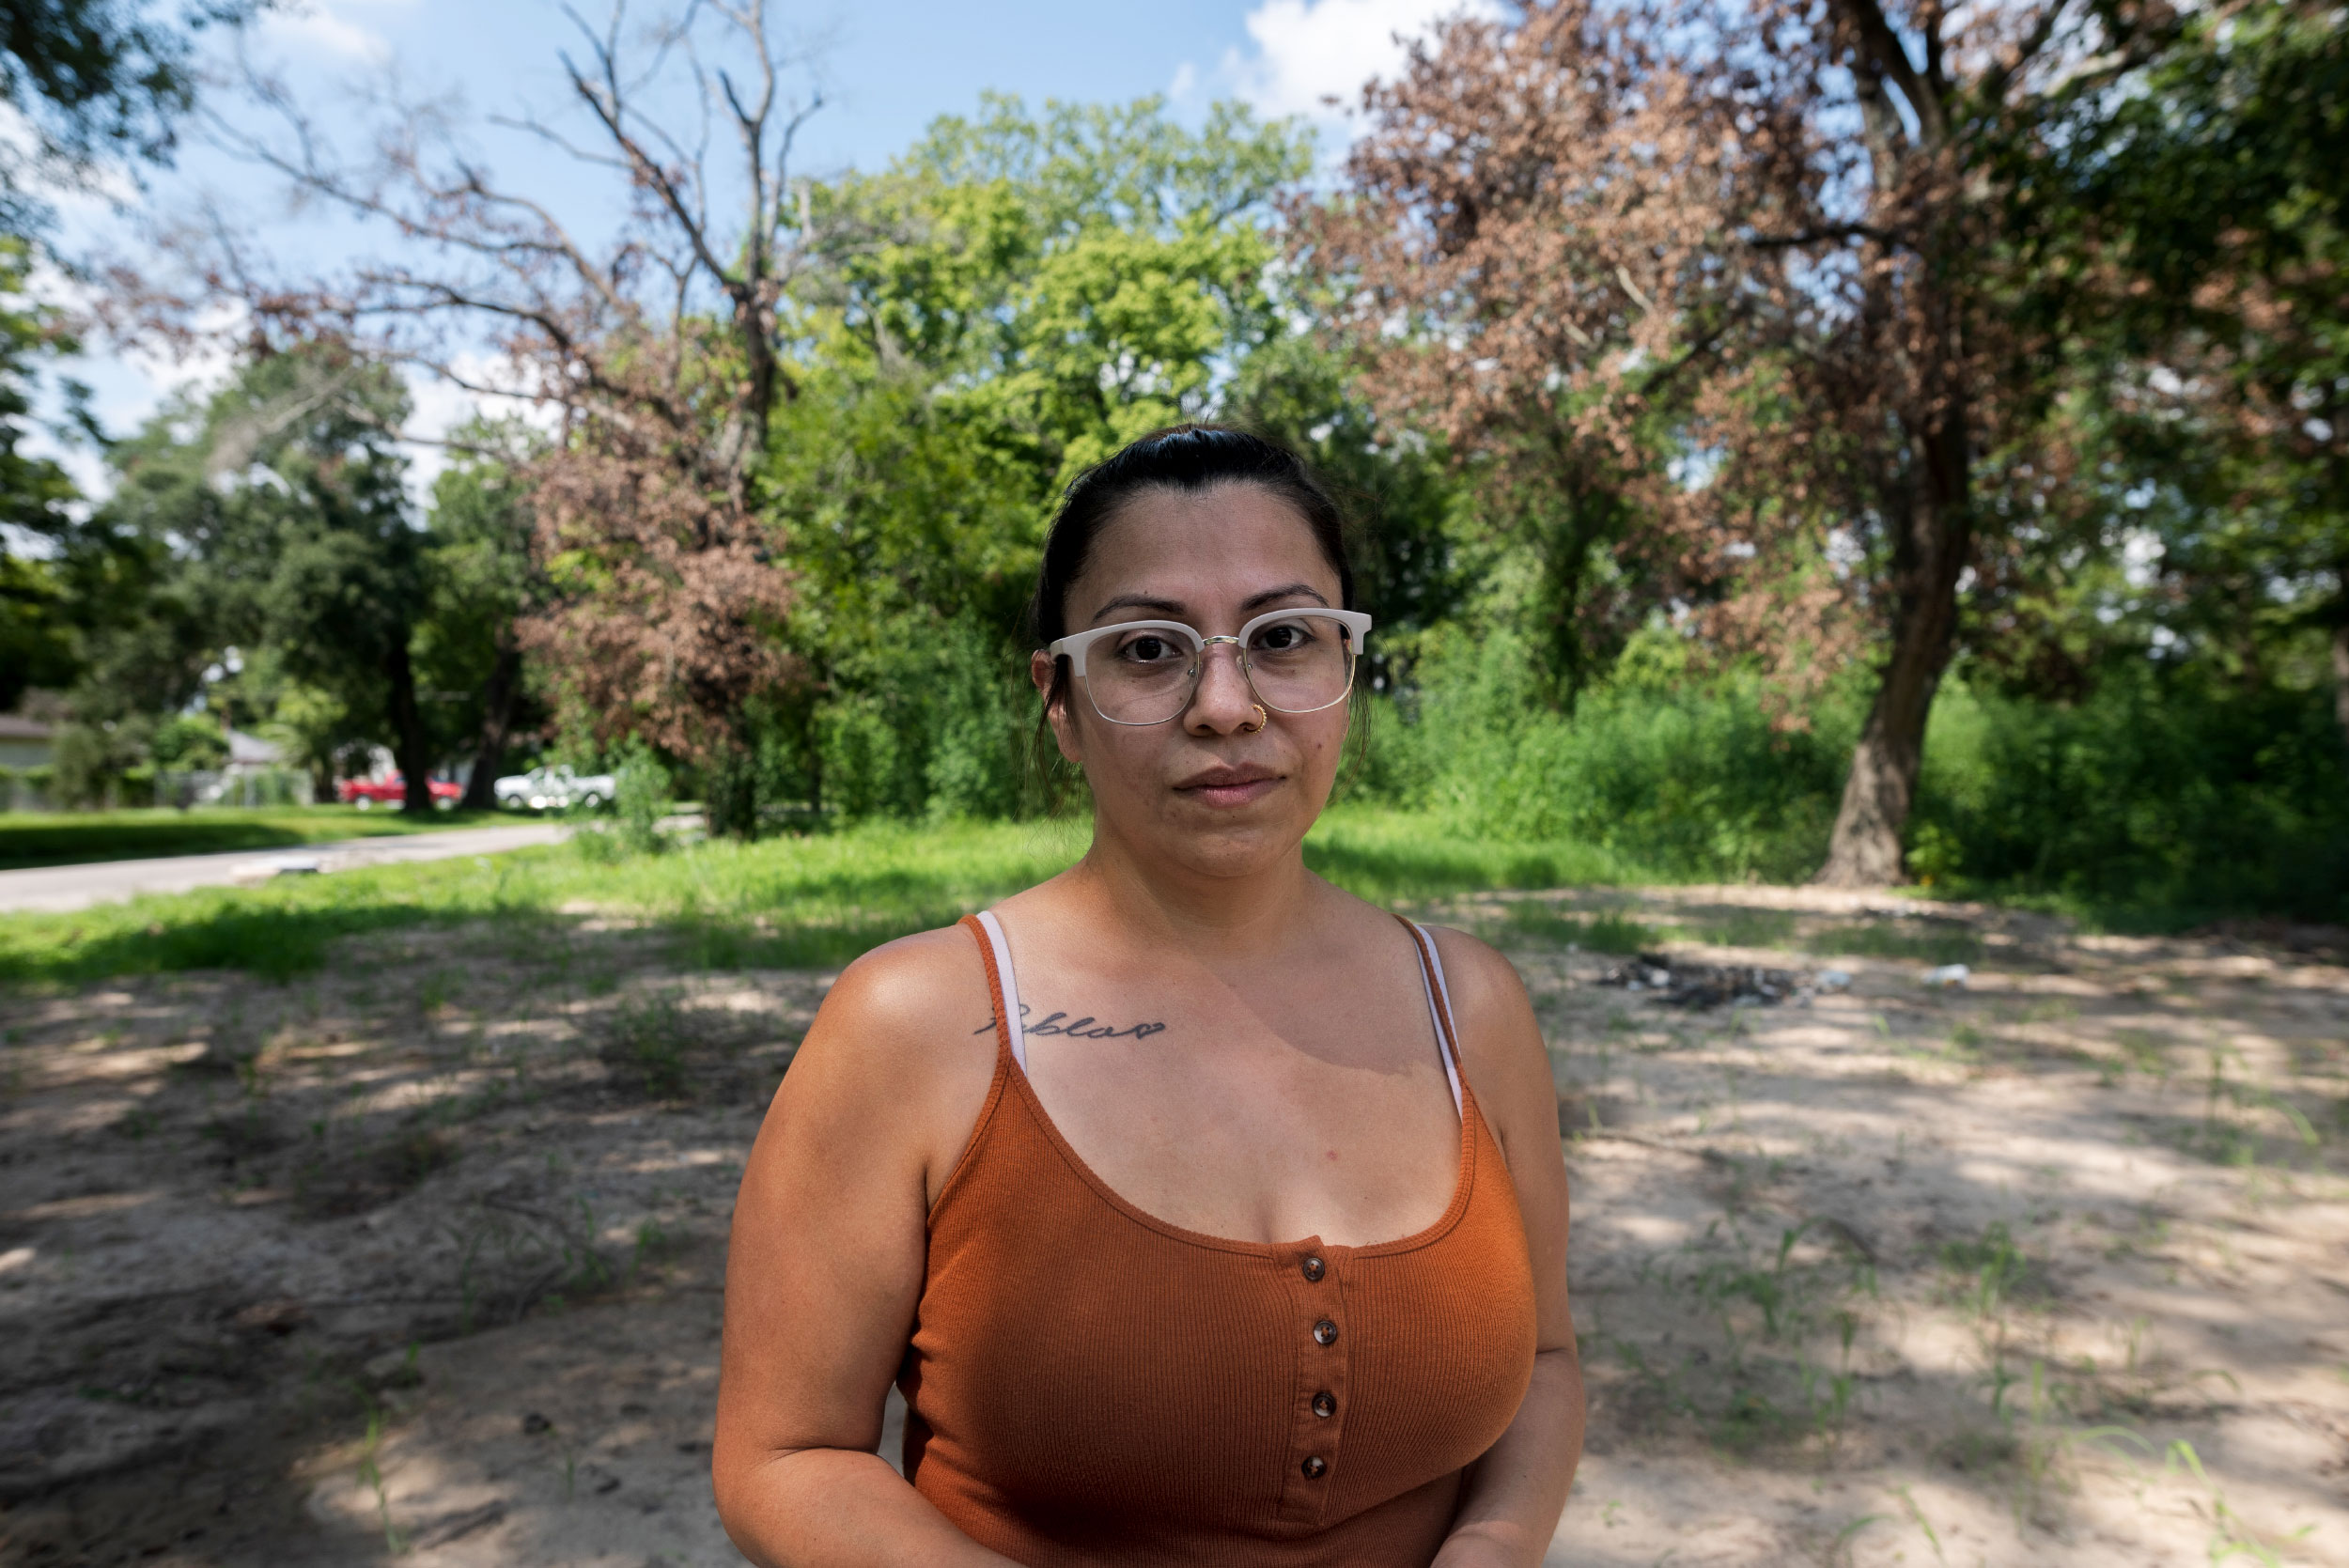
(1003, 986)
(1439, 1007)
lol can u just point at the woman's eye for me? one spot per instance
(1281, 639)
(1148, 650)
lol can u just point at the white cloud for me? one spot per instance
(329, 28)
(439, 406)
(1309, 52)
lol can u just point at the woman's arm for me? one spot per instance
(1516, 1493)
(825, 1267)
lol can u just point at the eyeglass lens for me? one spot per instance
(1297, 664)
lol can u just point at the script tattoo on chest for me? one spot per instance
(1076, 1029)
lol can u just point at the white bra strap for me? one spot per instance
(1439, 1010)
(1013, 1016)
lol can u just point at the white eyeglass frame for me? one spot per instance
(1074, 646)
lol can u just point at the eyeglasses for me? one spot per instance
(1147, 672)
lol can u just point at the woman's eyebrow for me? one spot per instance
(1255, 601)
(1174, 608)
(1170, 609)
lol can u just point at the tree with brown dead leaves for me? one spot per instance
(659, 353)
(1716, 294)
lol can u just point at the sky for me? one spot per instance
(887, 69)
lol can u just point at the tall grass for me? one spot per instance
(2163, 798)
(1686, 780)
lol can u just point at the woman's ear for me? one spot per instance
(1040, 670)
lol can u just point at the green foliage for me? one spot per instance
(640, 798)
(2164, 788)
(193, 740)
(788, 901)
(87, 79)
(35, 640)
(478, 577)
(1038, 289)
(1691, 778)
(2187, 238)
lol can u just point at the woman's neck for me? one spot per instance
(1209, 913)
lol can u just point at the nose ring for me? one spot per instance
(1262, 719)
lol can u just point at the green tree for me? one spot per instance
(1020, 295)
(482, 581)
(2191, 237)
(36, 648)
(92, 83)
(271, 516)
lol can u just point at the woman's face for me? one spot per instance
(1208, 790)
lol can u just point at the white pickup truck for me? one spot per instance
(553, 789)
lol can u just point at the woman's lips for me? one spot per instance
(1236, 790)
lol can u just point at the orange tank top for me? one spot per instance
(1088, 1384)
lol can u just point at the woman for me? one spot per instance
(1204, 1213)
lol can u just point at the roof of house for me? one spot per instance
(15, 726)
(253, 750)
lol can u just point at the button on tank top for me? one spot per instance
(1088, 1384)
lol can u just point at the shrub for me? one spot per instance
(640, 790)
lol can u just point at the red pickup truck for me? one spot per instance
(367, 793)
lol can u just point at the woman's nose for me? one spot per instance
(1224, 704)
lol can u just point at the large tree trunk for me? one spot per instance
(497, 722)
(410, 748)
(1929, 554)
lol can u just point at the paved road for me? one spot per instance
(75, 887)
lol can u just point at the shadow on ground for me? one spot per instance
(417, 1255)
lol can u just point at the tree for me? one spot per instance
(1720, 296)
(273, 515)
(1014, 297)
(661, 351)
(94, 82)
(2191, 235)
(35, 641)
(483, 585)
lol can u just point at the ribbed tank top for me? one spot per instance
(1089, 1384)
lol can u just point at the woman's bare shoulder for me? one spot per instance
(900, 1053)
(918, 996)
(1500, 1041)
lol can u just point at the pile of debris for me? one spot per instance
(1700, 985)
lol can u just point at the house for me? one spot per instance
(25, 743)
(250, 754)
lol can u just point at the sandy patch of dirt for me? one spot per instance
(420, 1260)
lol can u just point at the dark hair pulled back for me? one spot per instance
(1184, 457)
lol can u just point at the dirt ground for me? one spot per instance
(421, 1258)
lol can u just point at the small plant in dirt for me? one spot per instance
(647, 1045)
(337, 1181)
(1989, 1272)
(1765, 1377)
(656, 1046)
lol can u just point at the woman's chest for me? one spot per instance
(1074, 1353)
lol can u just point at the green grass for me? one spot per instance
(1601, 933)
(813, 901)
(1917, 940)
(70, 838)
